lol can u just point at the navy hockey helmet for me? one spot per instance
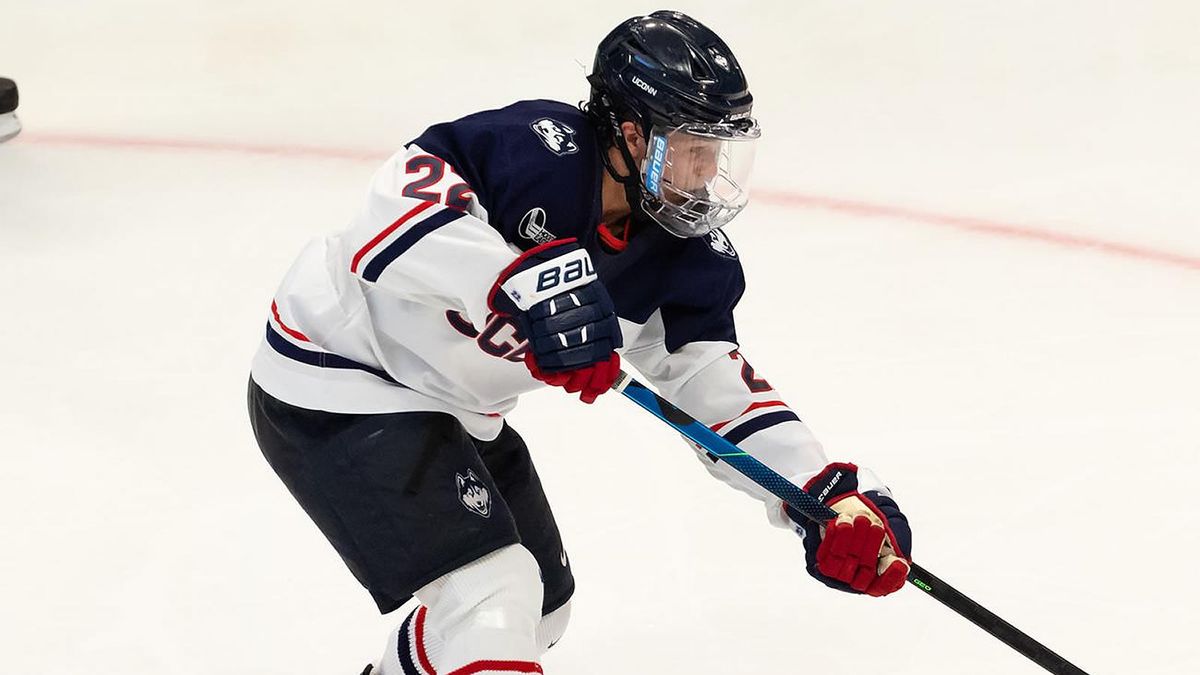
(683, 87)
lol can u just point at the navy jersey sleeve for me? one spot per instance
(706, 286)
(706, 314)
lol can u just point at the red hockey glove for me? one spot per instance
(866, 548)
(566, 315)
(588, 382)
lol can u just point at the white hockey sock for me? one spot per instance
(480, 619)
(552, 626)
(415, 648)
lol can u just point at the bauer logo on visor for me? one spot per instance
(654, 171)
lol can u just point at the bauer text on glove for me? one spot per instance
(566, 315)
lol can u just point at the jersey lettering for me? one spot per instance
(416, 189)
(754, 384)
(501, 337)
(456, 197)
(459, 196)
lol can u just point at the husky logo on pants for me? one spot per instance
(474, 494)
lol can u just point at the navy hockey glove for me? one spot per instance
(566, 315)
(867, 547)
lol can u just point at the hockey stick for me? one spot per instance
(808, 505)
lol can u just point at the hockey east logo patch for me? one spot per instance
(474, 494)
(556, 136)
(533, 226)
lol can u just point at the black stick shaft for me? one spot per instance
(985, 619)
(805, 503)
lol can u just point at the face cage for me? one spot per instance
(693, 218)
(695, 213)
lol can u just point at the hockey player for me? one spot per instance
(9, 124)
(531, 245)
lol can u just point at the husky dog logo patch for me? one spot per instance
(556, 136)
(721, 244)
(474, 494)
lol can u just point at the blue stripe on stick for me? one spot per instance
(743, 431)
(412, 234)
(320, 359)
(729, 453)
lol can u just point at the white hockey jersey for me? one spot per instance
(391, 313)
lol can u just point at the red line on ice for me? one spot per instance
(787, 199)
(973, 224)
(236, 147)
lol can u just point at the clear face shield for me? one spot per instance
(697, 175)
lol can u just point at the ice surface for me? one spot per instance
(1033, 403)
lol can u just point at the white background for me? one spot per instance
(974, 266)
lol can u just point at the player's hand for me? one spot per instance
(867, 547)
(566, 315)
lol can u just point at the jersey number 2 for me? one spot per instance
(433, 169)
(753, 383)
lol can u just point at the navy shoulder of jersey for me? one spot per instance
(696, 283)
(536, 169)
(534, 166)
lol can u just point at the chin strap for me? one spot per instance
(631, 181)
(612, 242)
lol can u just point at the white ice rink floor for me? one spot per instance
(973, 265)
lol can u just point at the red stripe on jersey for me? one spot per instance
(419, 634)
(504, 666)
(290, 331)
(753, 406)
(416, 210)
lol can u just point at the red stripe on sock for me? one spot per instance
(504, 666)
(419, 632)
